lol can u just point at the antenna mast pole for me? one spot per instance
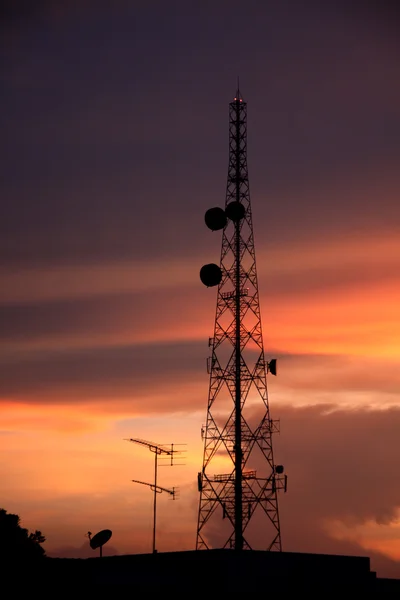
(155, 501)
(158, 450)
(237, 367)
(238, 396)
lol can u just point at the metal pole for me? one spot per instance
(238, 399)
(155, 502)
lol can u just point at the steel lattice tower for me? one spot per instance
(238, 432)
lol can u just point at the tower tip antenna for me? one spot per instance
(238, 95)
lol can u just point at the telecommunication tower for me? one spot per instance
(238, 432)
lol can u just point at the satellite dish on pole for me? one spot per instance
(235, 211)
(210, 275)
(215, 218)
(98, 540)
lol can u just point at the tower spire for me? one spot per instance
(239, 505)
(238, 94)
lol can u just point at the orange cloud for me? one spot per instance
(322, 297)
(355, 321)
(383, 538)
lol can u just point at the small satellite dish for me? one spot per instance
(210, 275)
(235, 211)
(271, 366)
(215, 218)
(98, 540)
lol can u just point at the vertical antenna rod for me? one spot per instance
(238, 398)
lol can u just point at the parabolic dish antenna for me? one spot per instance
(98, 540)
(210, 275)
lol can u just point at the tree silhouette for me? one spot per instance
(15, 541)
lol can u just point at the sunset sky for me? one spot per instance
(114, 120)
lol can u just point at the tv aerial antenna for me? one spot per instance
(165, 454)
